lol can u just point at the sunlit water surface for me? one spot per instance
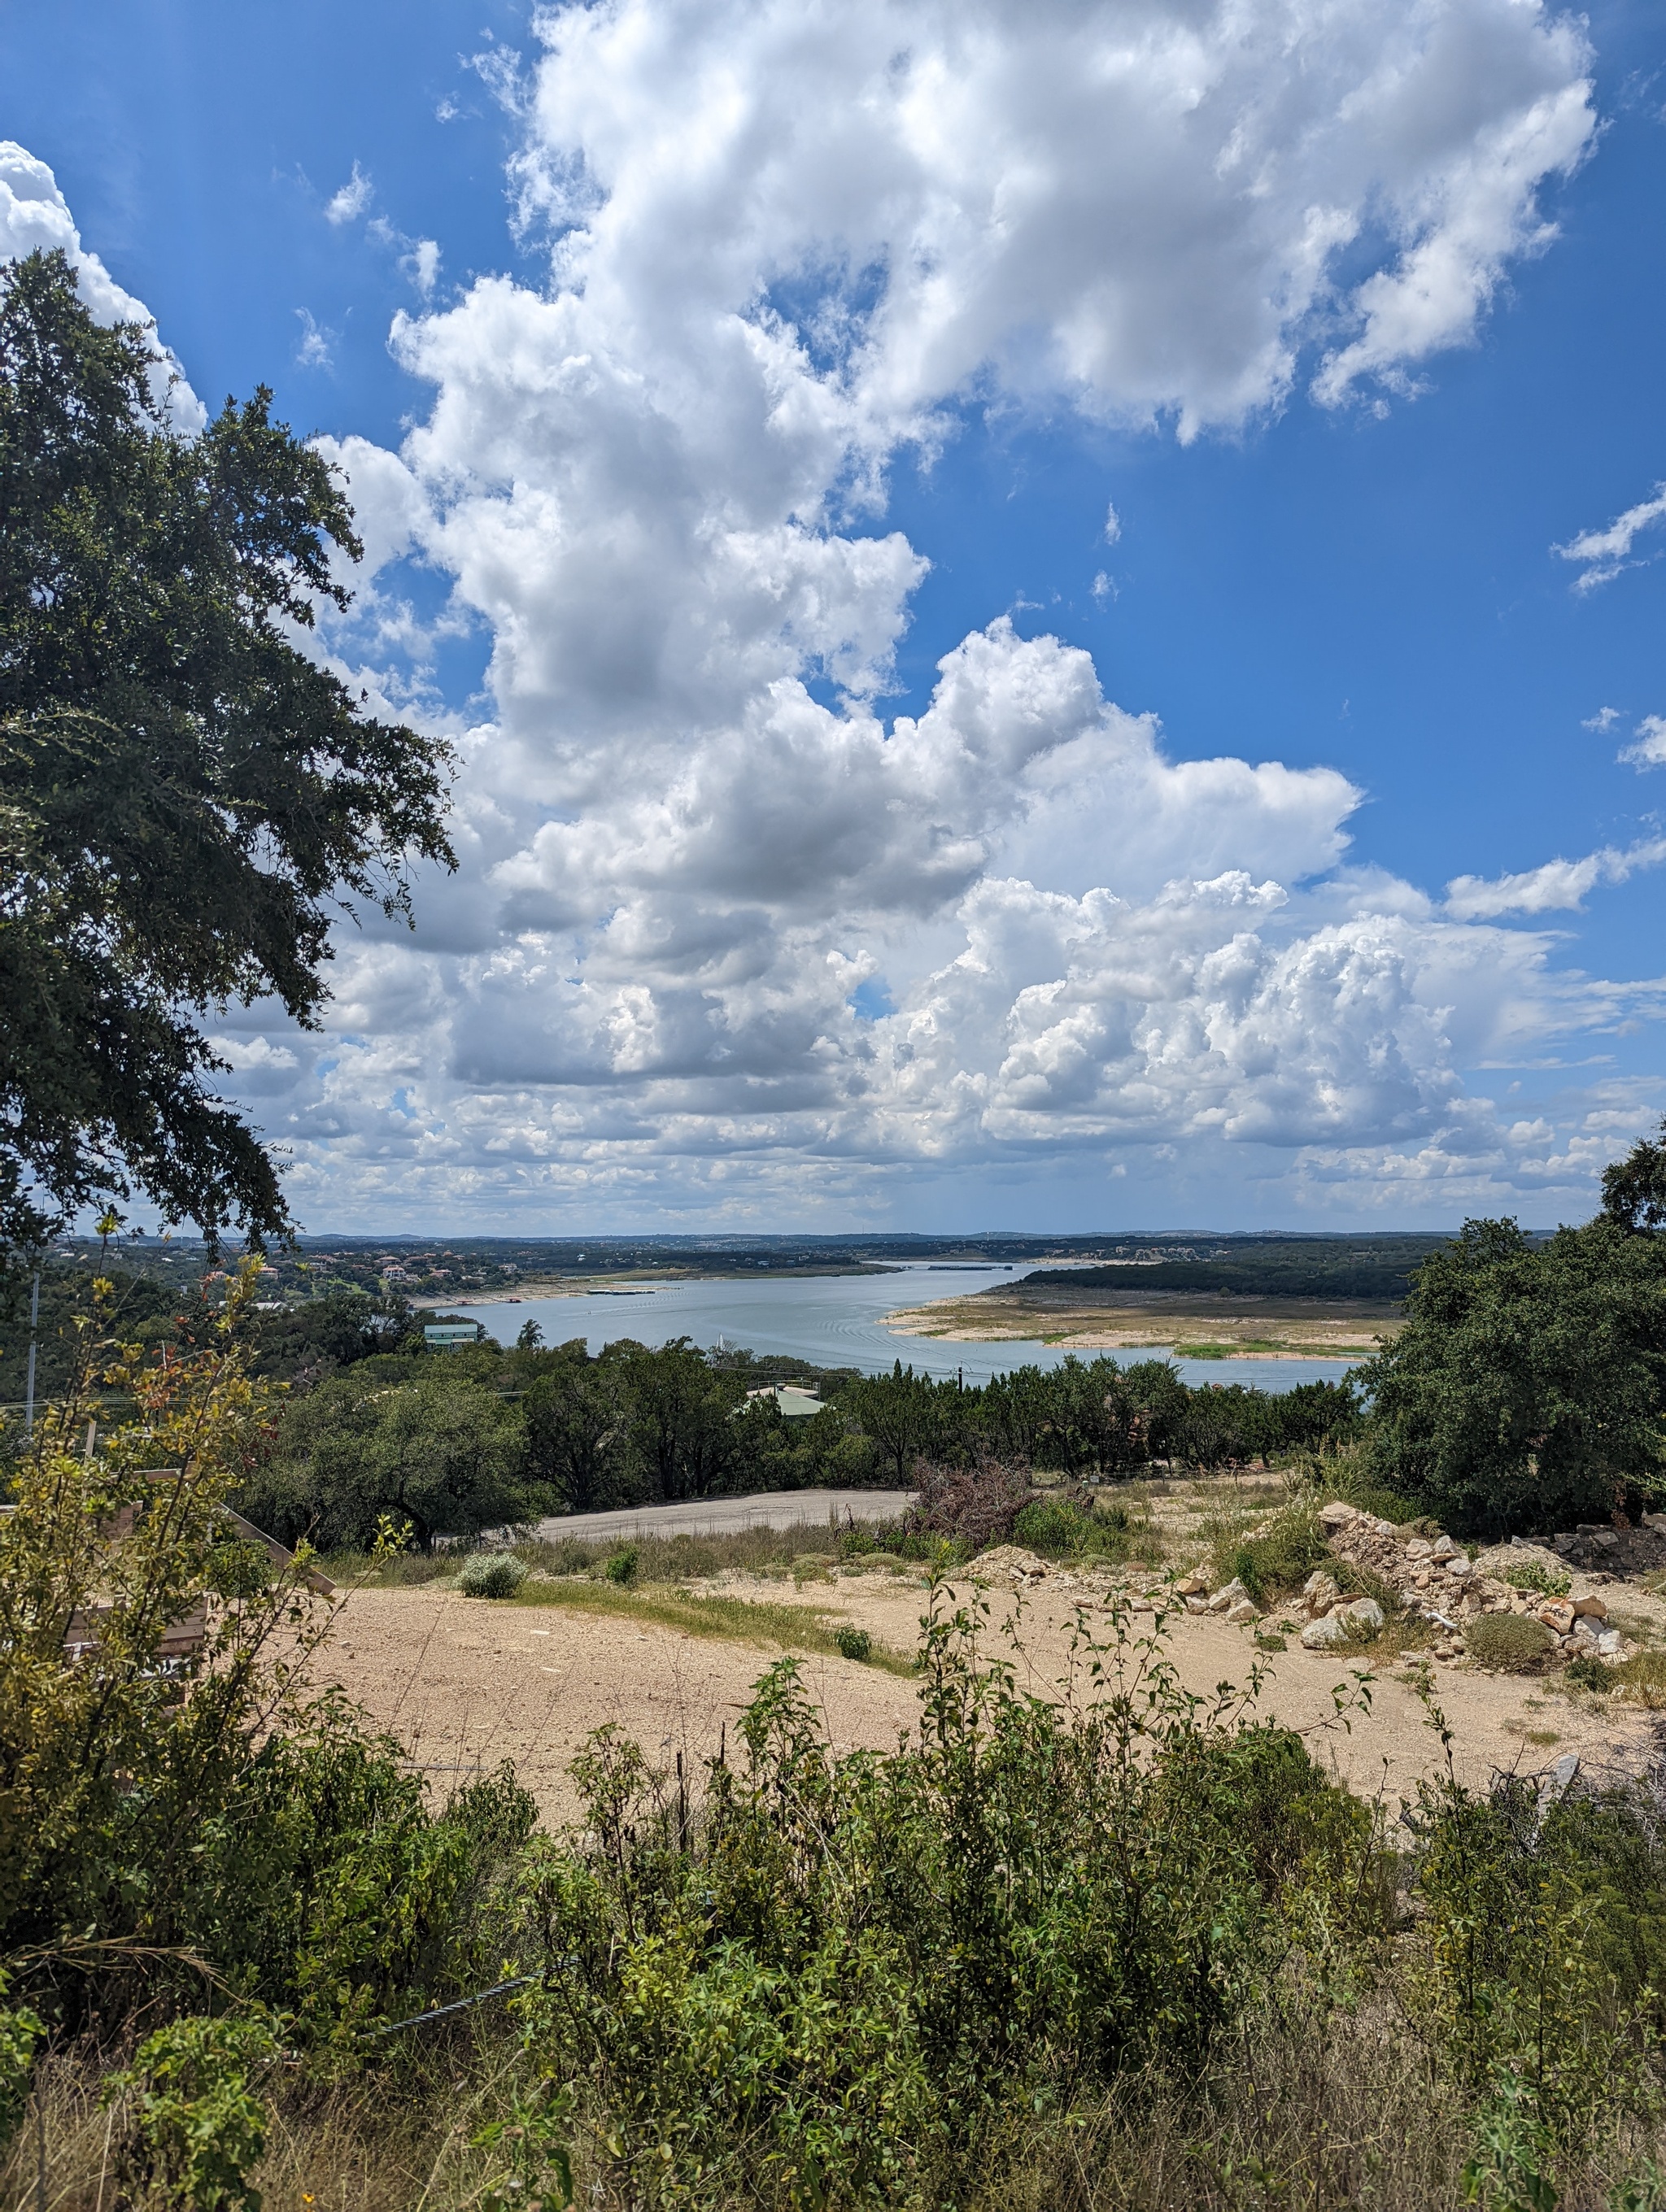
(833, 1321)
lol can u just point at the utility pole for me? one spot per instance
(34, 1319)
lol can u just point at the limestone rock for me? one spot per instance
(1592, 1605)
(1194, 1584)
(1365, 1612)
(1443, 1548)
(1323, 1635)
(1228, 1596)
(1336, 1515)
(1245, 1609)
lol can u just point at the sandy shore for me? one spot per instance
(1141, 1324)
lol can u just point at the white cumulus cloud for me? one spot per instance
(1557, 886)
(35, 217)
(784, 246)
(1603, 554)
(1648, 748)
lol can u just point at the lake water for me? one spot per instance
(832, 1321)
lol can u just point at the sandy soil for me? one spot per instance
(1133, 1320)
(466, 1683)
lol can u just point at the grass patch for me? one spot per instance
(1534, 1576)
(1274, 1564)
(725, 1619)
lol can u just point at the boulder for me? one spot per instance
(1557, 1614)
(1197, 1605)
(1319, 1592)
(1336, 1516)
(1420, 1547)
(1194, 1584)
(1612, 1645)
(1365, 1612)
(1323, 1635)
(1228, 1596)
(1591, 1604)
(1443, 1548)
(1244, 1610)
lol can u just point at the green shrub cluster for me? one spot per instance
(1508, 1643)
(491, 1574)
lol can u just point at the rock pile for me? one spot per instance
(1437, 1582)
(1598, 1550)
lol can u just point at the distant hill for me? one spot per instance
(1377, 1267)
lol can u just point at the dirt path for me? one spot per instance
(814, 1511)
(464, 1683)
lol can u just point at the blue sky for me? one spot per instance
(650, 999)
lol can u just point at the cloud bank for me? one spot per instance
(731, 943)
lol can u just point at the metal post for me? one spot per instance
(34, 1317)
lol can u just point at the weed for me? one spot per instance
(853, 1642)
(621, 1566)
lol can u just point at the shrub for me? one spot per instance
(622, 1566)
(1591, 1673)
(1534, 1575)
(1055, 1527)
(853, 1642)
(200, 2120)
(1508, 1643)
(1279, 1560)
(491, 1574)
(971, 1505)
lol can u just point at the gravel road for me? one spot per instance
(723, 1517)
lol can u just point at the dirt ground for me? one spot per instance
(466, 1683)
(1129, 1321)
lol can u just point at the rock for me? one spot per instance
(1364, 1612)
(1585, 1631)
(1411, 1601)
(1656, 1522)
(1195, 1584)
(1590, 1603)
(1319, 1593)
(1228, 1596)
(1197, 1605)
(1337, 1516)
(1244, 1610)
(1557, 1614)
(1557, 1782)
(1443, 1548)
(1322, 1635)
(1460, 1566)
(1418, 1548)
(1611, 1646)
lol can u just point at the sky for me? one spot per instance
(1051, 614)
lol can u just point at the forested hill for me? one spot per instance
(1378, 1267)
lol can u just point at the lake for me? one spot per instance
(832, 1321)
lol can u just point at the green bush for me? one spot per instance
(621, 1566)
(853, 1642)
(1059, 1527)
(491, 1574)
(857, 1981)
(1280, 1560)
(1508, 1643)
(1534, 1575)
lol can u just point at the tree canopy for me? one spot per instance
(1525, 1391)
(191, 799)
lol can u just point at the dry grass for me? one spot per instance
(730, 1619)
(1303, 2106)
